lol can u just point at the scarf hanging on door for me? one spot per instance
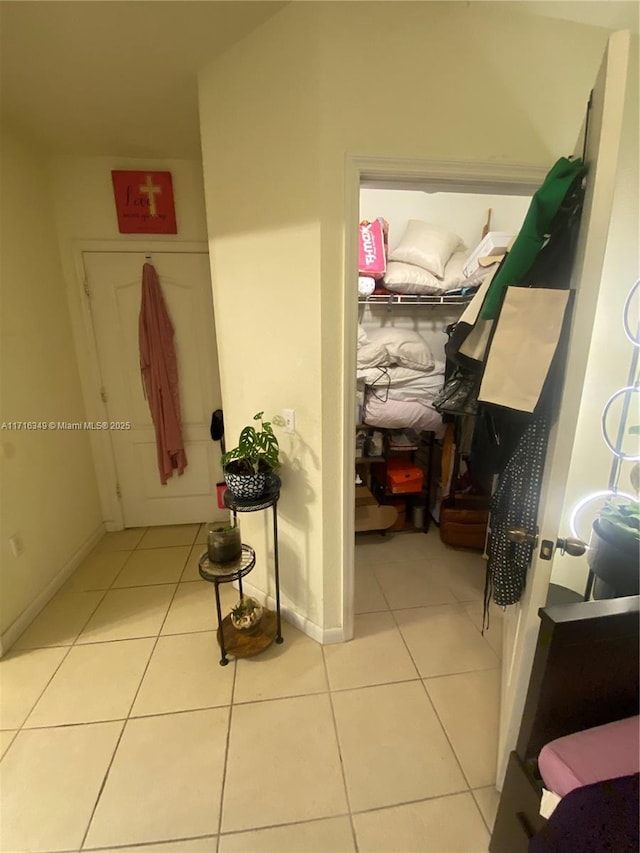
(159, 367)
(515, 504)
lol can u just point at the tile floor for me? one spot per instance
(120, 731)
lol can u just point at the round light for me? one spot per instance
(629, 389)
(633, 337)
(607, 493)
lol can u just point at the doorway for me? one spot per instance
(421, 176)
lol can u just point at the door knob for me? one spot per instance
(571, 546)
(521, 536)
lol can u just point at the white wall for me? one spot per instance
(465, 214)
(280, 112)
(49, 495)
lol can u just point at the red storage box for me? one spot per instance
(403, 477)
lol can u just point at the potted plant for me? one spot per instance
(246, 466)
(224, 544)
(246, 613)
(614, 550)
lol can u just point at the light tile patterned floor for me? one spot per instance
(120, 731)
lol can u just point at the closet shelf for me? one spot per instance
(390, 299)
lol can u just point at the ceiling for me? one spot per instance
(114, 77)
(118, 77)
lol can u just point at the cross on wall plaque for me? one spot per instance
(144, 202)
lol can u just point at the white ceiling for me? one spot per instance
(118, 77)
(114, 77)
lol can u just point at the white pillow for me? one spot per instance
(427, 246)
(363, 337)
(373, 355)
(408, 278)
(404, 347)
(454, 276)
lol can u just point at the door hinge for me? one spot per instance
(103, 395)
(118, 492)
(86, 286)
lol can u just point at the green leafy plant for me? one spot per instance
(624, 515)
(245, 607)
(257, 449)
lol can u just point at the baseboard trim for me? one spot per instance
(20, 625)
(324, 636)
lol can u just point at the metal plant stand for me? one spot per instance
(238, 642)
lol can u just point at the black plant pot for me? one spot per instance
(614, 559)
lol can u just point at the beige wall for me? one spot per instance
(279, 113)
(260, 136)
(49, 493)
(84, 206)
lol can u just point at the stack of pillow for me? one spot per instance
(401, 379)
(429, 260)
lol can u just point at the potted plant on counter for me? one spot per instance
(247, 466)
(614, 550)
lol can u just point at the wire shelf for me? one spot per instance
(390, 299)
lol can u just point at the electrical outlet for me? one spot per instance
(16, 545)
(289, 417)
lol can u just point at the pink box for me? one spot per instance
(372, 259)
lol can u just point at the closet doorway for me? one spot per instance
(455, 197)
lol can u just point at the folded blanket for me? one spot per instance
(402, 414)
(403, 383)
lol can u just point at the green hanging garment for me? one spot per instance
(536, 227)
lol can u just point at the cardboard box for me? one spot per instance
(364, 497)
(400, 506)
(375, 518)
(403, 477)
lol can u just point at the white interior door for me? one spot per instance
(114, 280)
(603, 142)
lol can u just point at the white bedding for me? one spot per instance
(402, 414)
(403, 383)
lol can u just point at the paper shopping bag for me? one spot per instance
(525, 340)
